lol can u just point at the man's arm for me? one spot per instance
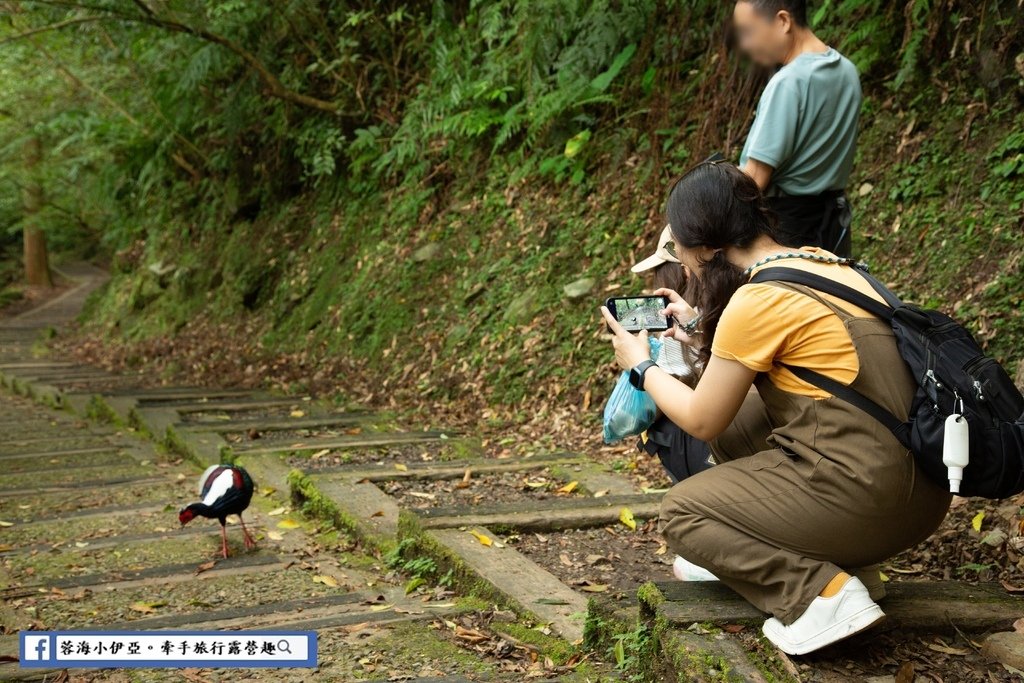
(759, 171)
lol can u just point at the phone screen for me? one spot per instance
(637, 313)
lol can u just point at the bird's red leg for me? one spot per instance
(249, 542)
(224, 540)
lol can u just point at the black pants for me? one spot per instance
(821, 220)
(680, 454)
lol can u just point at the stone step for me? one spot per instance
(517, 579)
(932, 606)
(170, 573)
(340, 442)
(543, 515)
(446, 469)
(274, 425)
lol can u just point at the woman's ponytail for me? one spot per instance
(717, 206)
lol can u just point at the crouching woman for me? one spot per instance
(809, 492)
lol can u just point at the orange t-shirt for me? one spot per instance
(764, 325)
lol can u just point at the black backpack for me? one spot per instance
(953, 376)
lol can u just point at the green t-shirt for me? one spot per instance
(806, 124)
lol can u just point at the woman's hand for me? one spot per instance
(630, 351)
(682, 313)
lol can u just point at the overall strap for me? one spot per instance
(899, 428)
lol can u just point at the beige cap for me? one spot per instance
(665, 253)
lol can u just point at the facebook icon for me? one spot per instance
(35, 648)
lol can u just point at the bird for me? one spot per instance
(225, 490)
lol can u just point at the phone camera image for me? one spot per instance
(640, 313)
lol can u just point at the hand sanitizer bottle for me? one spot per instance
(955, 450)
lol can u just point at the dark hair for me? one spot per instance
(672, 276)
(716, 205)
(796, 8)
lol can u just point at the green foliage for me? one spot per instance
(418, 568)
(521, 144)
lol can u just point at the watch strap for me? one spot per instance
(638, 373)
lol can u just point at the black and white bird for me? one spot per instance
(225, 490)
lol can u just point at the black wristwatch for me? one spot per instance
(636, 375)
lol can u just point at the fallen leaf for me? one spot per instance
(569, 488)
(470, 635)
(1010, 588)
(413, 584)
(275, 536)
(884, 577)
(948, 650)
(418, 494)
(5, 524)
(205, 567)
(483, 538)
(662, 549)
(354, 628)
(626, 517)
(905, 674)
(550, 601)
(83, 544)
(287, 524)
(380, 608)
(326, 580)
(601, 494)
(401, 467)
(276, 511)
(320, 453)
(976, 522)
(267, 491)
(297, 413)
(535, 484)
(733, 628)
(594, 587)
(145, 607)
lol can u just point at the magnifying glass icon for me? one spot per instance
(284, 646)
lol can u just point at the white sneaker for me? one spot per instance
(685, 570)
(827, 620)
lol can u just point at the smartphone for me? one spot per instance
(636, 313)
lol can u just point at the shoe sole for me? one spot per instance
(867, 618)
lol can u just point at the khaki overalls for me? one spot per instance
(807, 488)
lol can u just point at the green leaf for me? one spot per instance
(574, 144)
(602, 81)
(620, 654)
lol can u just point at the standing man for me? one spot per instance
(801, 147)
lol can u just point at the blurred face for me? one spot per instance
(767, 40)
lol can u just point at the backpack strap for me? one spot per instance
(836, 289)
(897, 426)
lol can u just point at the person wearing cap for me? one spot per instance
(682, 455)
(800, 148)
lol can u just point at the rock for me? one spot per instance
(579, 288)
(1006, 648)
(865, 189)
(426, 252)
(523, 308)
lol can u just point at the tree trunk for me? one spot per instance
(37, 263)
